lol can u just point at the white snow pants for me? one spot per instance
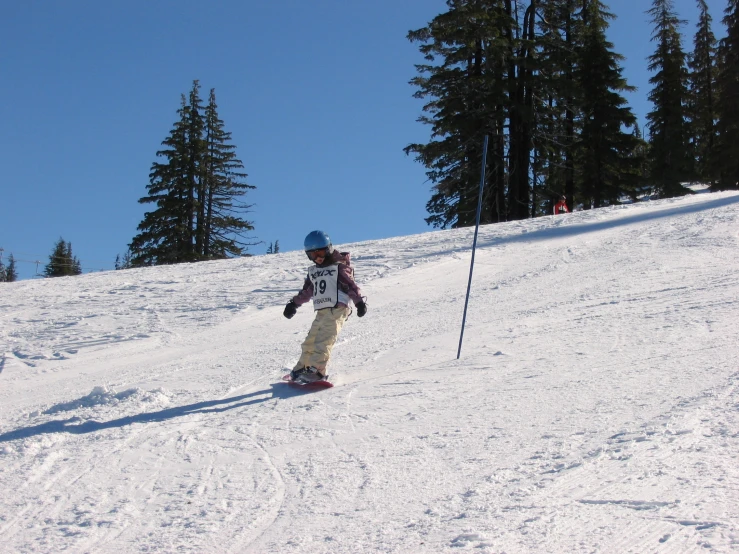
(322, 336)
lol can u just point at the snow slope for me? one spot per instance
(595, 407)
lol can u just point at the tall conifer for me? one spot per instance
(62, 262)
(197, 191)
(465, 82)
(669, 153)
(607, 164)
(11, 272)
(164, 233)
(220, 226)
(509, 69)
(196, 170)
(703, 98)
(523, 80)
(727, 159)
(555, 137)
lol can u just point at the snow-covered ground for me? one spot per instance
(595, 407)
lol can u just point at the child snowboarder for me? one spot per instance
(330, 283)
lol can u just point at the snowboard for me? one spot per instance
(322, 384)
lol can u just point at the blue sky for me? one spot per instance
(316, 96)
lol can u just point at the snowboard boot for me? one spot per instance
(296, 373)
(308, 375)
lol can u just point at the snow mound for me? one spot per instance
(105, 396)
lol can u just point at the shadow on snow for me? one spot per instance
(76, 426)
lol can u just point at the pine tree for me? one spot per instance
(3, 271)
(467, 93)
(513, 70)
(76, 265)
(524, 84)
(703, 99)
(274, 248)
(11, 274)
(164, 234)
(607, 166)
(727, 158)
(195, 173)
(669, 152)
(62, 261)
(220, 227)
(176, 186)
(555, 137)
(197, 192)
(124, 262)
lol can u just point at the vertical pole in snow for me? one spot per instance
(474, 242)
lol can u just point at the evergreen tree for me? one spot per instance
(11, 274)
(219, 226)
(62, 261)
(703, 99)
(124, 262)
(195, 173)
(727, 158)
(197, 192)
(669, 152)
(467, 93)
(164, 234)
(3, 271)
(274, 249)
(607, 163)
(76, 265)
(517, 71)
(555, 137)
(524, 85)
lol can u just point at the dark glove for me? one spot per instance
(290, 310)
(361, 309)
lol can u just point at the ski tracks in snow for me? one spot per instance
(575, 420)
(679, 508)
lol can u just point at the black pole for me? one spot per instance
(474, 242)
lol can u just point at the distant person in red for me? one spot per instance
(561, 206)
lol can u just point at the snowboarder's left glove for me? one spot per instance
(361, 309)
(290, 310)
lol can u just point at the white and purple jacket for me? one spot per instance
(348, 289)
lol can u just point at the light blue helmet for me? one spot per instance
(317, 240)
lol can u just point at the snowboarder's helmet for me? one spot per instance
(317, 240)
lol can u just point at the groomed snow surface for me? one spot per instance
(595, 407)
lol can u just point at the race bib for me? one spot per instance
(325, 286)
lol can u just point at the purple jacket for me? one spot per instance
(346, 280)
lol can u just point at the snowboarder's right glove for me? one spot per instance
(290, 310)
(361, 309)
